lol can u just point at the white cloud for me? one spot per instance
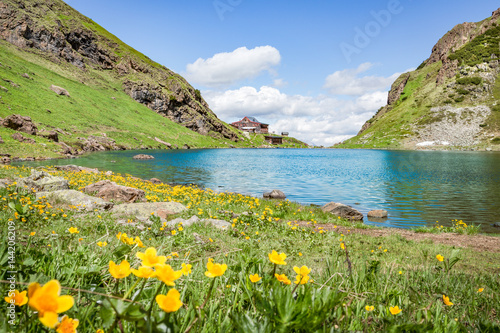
(278, 83)
(224, 69)
(348, 82)
(320, 120)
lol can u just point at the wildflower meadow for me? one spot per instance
(278, 268)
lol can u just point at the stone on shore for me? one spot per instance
(75, 168)
(109, 190)
(378, 213)
(344, 211)
(75, 198)
(144, 209)
(275, 194)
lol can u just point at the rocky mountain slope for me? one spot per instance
(47, 38)
(452, 100)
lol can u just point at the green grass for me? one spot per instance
(95, 107)
(479, 50)
(379, 271)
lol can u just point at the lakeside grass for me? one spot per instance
(378, 272)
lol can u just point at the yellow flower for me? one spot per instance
(180, 228)
(395, 310)
(439, 257)
(170, 302)
(300, 254)
(283, 278)
(278, 259)
(144, 272)
(480, 290)
(255, 278)
(48, 302)
(369, 308)
(186, 269)
(211, 240)
(100, 330)
(167, 274)
(73, 230)
(214, 270)
(67, 325)
(304, 270)
(301, 279)
(149, 257)
(175, 254)
(119, 271)
(400, 272)
(32, 233)
(342, 246)
(446, 301)
(138, 242)
(173, 232)
(102, 244)
(17, 298)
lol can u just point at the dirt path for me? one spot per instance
(476, 242)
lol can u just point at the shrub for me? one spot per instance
(476, 80)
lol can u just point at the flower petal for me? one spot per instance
(49, 319)
(64, 303)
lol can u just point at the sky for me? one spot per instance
(317, 69)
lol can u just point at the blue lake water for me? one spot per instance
(416, 187)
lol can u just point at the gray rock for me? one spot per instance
(489, 149)
(185, 223)
(75, 198)
(343, 211)
(143, 157)
(75, 168)
(219, 224)
(4, 159)
(43, 181)
(21, 138)
(163, 142)
(378, 213)
(59, 90)
(274, 194)
(144, 209)
(496, 225)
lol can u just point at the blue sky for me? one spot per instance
(302, 67)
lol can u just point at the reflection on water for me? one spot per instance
(417, 188)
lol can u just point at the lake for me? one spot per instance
(417, 188)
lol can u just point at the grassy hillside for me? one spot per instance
(451, 99)
(96, 105)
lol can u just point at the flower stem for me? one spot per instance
(130, 290)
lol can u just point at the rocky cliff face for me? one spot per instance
(453, 96)
(54, 28)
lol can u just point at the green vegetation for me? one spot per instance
(480, 49)
(98, 106)
(352, 281)
(475, 80)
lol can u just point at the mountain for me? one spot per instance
(110, 89)
(451, 101)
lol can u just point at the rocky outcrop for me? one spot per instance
(176, 100)
(21, 138)
(37, 25)
(343, 211)
(274, 194)
(75, 198)
(99, 143)
(51, 135)
(397, 88)
(20, 123)
(109, 190)
(453, 40)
